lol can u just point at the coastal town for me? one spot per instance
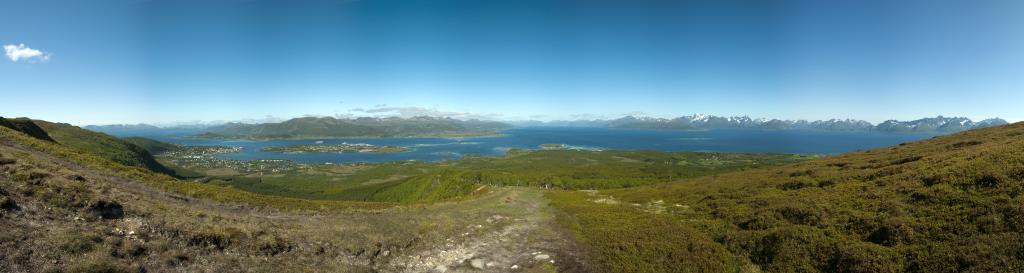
(336, 148)
(202, 158)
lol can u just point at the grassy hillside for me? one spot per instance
(328, 127)
(949, 204)
(428, 181)
(65, 210)
(170, 184)
(557, 169)
(103, 145)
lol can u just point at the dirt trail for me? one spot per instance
(514, 231)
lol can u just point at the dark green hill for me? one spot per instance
(328, 127)
(949, 204)
(103, 145)
(152, 146)
(26, 126)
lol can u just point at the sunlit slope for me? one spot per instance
(65, 210)
(432, 181)
(948, 204)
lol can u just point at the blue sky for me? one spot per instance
(163, 61)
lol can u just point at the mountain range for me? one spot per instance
(329, 127)
(703, 122)
(142, 129)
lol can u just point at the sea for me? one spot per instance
(581, 138)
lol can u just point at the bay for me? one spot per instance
(587, 138)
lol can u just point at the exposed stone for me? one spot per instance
(477, 263)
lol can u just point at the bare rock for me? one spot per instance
(477, 263)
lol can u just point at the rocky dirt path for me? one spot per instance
(515, 232)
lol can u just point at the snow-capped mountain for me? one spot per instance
(937, 124)
(701, 122)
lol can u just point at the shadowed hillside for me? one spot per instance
(154, 147)
(26, 126)
(103, 145)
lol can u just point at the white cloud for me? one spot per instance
(21, 52)
(408, 112)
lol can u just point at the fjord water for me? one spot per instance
(725, 140)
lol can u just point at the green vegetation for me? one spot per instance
(322, 182)
(187, 188)
(102, 145)
(335, 148)
(562, 169)
(572, 169)
(623, 238)
(446, 185)
(154, 147)
(328, 127)
(950, 204)
(63, 210)
(402, 182)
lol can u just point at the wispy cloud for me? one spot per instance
(20, 52)
(586, 116)
(636, 114)
(407, 112)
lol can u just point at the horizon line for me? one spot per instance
(274, 119)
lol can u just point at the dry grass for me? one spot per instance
(70, 212)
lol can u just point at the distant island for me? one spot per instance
(364, 127)
(335, 148)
